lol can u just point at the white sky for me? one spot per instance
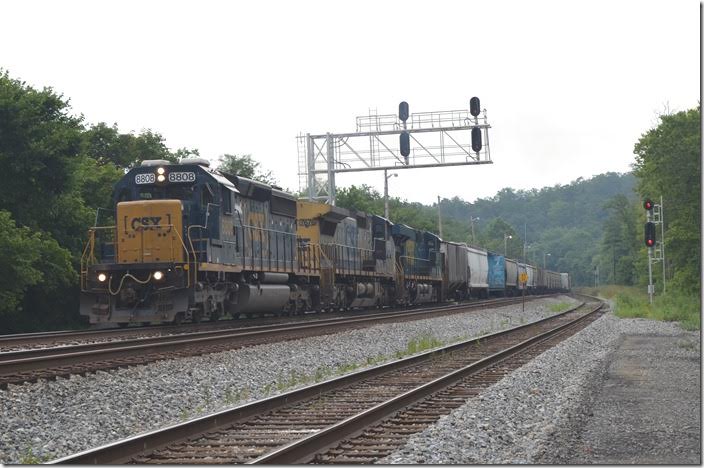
(568, 86)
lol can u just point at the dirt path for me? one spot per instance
(649, 407)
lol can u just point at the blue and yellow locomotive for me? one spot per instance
(191, 243)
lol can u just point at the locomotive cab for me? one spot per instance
(140, 269)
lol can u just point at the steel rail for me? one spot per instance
(123, 450)
(15, 362)
(43, 337)
(303, 450)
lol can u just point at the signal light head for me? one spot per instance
(648, 204)
(649, 234)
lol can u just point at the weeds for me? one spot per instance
(418, 345)
(29, 458)
(632, 302)
(560, 306)
(231, 397)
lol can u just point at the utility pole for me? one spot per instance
(650, 275)
(471, 222)
(662, 242)
(596, 277)
(505, 245)
(650, 242)
(656, 249)
(386, 192)
(439, 218)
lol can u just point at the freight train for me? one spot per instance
(191, 243)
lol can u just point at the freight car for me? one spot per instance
(192, 243)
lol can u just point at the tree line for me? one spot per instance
(559, 227)
(591, 228)
(58, 171)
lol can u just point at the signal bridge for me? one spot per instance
(393, 142)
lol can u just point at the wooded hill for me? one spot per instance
(565, 221)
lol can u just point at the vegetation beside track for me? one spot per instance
(632, 302)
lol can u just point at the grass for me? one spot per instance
(293, 379)
(632, 302)
(29, 458)
(418, 345)
(560, 306)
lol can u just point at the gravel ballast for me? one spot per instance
(538, 413)
(51, 419)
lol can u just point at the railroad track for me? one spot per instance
(28, 341)
(357, 418)
(30, 365)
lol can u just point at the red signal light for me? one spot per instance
(649, 234)
(648, 204)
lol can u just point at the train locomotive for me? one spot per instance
(190, 243)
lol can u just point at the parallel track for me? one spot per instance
(30, 365)
(375, 408)
(25, 341)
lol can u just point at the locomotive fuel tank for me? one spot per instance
(262, 298)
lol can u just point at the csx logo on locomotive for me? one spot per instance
(147, 223)
(307, 222)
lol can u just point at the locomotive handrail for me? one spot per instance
(195, 257)
(88, 256)
(84, 260)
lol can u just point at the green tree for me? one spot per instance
(619, 247)
(39, 141)
(493, 239)
(244, 165)
(107, 145)
(30, 260)
(668, 163)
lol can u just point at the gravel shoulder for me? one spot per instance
(51, 419)
(601, 396)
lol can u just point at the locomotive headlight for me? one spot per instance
(102, 277)
(158, 275)
(160, 178)
(160, 171)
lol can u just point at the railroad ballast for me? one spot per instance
(192, 243)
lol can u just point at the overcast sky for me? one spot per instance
(568, 86)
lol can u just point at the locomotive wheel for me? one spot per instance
(178, 318)
(217, 313)
(301, 306)
(197, 316)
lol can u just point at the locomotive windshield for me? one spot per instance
(173, 192)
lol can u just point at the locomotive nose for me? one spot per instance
(150, 231)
